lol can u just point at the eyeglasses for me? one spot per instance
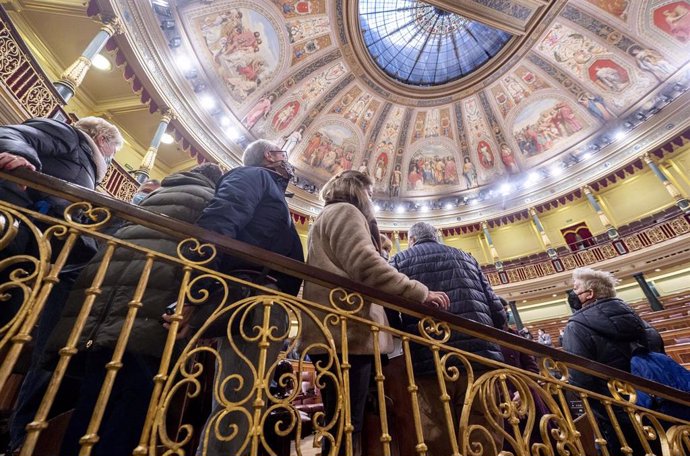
(282, 152)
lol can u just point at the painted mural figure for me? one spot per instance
(285, 115)
(469, 172)
(311, 148)
(396, 181)
(380, 168)
(486, 157)
(364, 167)
(508, 159)
(651, 61)
(259, 111)
(610, 78)
(292, 140)
(596, 105)
(678, 21)
(414, 178)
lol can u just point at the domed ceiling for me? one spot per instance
(437, 105)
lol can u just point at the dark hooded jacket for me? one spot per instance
(250, 206)
(182, 196)
(457, 273)
(606, 331)
(56, 149)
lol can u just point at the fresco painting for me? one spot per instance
(304, 29)
(542, 125)
(303, 50)
(434, 166)
(285, 115)
(674, 19)
(570, 48)
(618, 8)
(330, 150)
(609, 75)
(341, 106)
(419, 123)
(295, 8)
(244, 47)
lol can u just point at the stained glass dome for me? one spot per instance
(420, 44)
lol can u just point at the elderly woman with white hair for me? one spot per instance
(606, 330)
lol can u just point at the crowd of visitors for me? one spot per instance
(248, 204)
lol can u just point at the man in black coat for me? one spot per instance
(249, 205)
(457, 273)
(604, 329)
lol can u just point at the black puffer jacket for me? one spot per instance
(56, 149)
(444, 268)
(250, 206)
(605, 331)
(182, 196)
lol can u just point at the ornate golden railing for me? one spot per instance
(119, 183)
(465, 404)
(22, 76)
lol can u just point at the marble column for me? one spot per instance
(610, 229)
(149, 160)
(681, 201)
(73, 76)
(542, 234)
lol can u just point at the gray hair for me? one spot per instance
(96, 126)
(602, 283)
(254, 153)
(422, 231)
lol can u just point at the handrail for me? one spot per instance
(596, 241)
(246, 252)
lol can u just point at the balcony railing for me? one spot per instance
(666, 228)
(235, 358)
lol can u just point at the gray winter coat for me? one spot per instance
(182, 196)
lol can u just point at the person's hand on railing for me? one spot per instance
(9, 161)
(184, 329)
(437, 299)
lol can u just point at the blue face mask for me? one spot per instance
(138, 197)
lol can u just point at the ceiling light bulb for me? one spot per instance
(400, 209)
(620, 134)
(448, 206)
(225, 121)
(167, 138)
(532, 179)
(208, 102)
(556, 170)
(474, 202)
(506, 189)
(425, 208)
(101, 62)
(586, 156)
(233, 133)
(377, 208)
(183, 63)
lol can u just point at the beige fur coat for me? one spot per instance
(340, 242)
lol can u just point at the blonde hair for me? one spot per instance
(602, 283)
(350, 187)
(95, 126)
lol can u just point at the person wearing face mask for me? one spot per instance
(606, 330)
(145, 189)
(249, 206)
(79, 154)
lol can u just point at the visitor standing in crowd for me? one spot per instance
(444, 268)
(345, 240)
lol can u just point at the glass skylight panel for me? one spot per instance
(417, 43)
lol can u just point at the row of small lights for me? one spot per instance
(506, 188)
(185, 65)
